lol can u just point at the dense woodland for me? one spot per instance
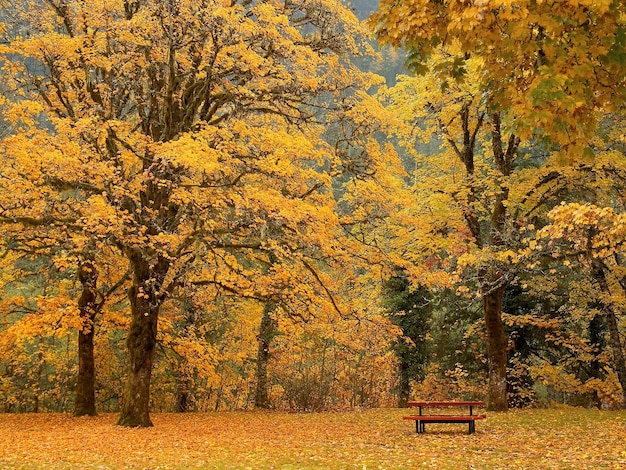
(227, 204)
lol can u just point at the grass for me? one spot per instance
(559, 438)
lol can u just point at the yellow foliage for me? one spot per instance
(564, 437)
(538, 60)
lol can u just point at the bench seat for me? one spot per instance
(421, 419)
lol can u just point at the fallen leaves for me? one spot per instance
(371, 439)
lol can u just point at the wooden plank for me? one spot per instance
(445, 418)
(446, 403)
(421, 420)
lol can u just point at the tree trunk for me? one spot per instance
(145, 302)
(267, 332)
(494, 285)
(141, 342)
(404, 383)
(37, 391)
(497, 351)
(596, 341)
(182, 399)
(619, 361)
(85, 404)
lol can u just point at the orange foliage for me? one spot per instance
(560, 438)
(553, 63)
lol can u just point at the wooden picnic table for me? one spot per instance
(469, 418)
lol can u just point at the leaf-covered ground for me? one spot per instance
(556, 438)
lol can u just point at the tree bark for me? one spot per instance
(145, 303)
(619, 361)
(494, 283)
(497, 349)
(85, 403)
(267, 332)
(141, 342)
(150, 265)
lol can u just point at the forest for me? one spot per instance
(306, 205)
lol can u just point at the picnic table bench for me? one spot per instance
(421, 419)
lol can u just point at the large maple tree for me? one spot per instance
(544, 70)
(185, 135)
(464, 187)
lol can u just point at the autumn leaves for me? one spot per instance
(183, 144)
(205, 158)
(518, 94)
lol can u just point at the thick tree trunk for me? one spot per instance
(85, 403)
(497, 349)
(267, 332)
(145, 302)
(141, 342)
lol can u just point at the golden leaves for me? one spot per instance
(50, 316)
(563, 437)
(587, 226)
(123, 89)
(23, 114)
(541, 61)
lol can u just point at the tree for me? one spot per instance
(581, 205)
(34, 237)
(548, 89)
(594, 236)
(409, 310)
(267, 331)
(551, 65)
(472, 175)
(185, 136)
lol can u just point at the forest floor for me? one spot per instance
(370, 439)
